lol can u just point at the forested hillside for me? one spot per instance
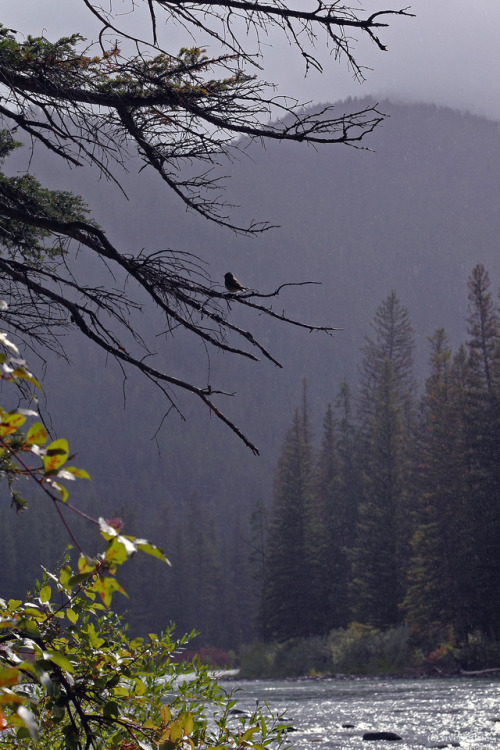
(415, 215)
(396, 518)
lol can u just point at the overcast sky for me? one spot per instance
(448, 54)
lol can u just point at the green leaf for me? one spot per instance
(249, 733)
(105, 587)
(9, 676)
(21, 373)
(72, 615)
(65, 576)
(139, 686)
(80, 473)
(45, 594)
(62, 661)
(107, 531)
(111, 708)
(28, 627)
(60, 488)
(95, 640)
(37, 434)
(78, 579)
(113, 681)
(56, 455)
(187, 722)
(176, 731)
(150, 549)
(119, 550)
(71, 738)
(11, 422)
(23, 734)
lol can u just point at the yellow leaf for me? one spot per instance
(80, 473)
(11, 423)
(187, 722)
(9, 676)
(37, 434)
(56, 455)
(176, 731)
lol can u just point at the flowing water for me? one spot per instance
(425, 713)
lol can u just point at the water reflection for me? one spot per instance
(425, 712)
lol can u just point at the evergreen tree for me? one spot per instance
(286, 595)
(240, 592)
(385, 524)
(327, 547)
(483, 433)
(483, 329)
(259, 529)
(379, 555)
(441, 594)
(393, 341)
(337, 491)
(198, 572)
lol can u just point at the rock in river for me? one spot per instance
(390, 736)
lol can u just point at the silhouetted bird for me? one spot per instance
(232, 284)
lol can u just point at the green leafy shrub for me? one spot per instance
(361, 649)
(69, 675)
(257, 660)
(302, 657)
(478, 653)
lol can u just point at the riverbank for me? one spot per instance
(363, 651)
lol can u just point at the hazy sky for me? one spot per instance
(449, 53)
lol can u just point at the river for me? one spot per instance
(425, 713)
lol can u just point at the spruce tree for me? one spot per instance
(286, 609)
(378, 560)
(392, 340)
(483, 432)
(337, 490)
(328, 546)
(483, 329)
(198, 572)
(440, 602)
(385, 523)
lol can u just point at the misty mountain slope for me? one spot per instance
(414, 214)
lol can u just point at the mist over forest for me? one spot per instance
(413, 214)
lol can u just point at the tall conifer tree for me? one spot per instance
(385, 525)
(441, 599)
(286, 607)
(325, 517)
(337, 488)
(483, 430)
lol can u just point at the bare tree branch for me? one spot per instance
(184, 114)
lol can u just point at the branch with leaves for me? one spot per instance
(69, 676)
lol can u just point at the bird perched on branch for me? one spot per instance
(233, 285)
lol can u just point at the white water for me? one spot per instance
(425, 713)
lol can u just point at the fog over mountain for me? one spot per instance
(414, 214)
(448, 54)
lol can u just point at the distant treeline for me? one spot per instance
(393, 520)
(396, 519)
